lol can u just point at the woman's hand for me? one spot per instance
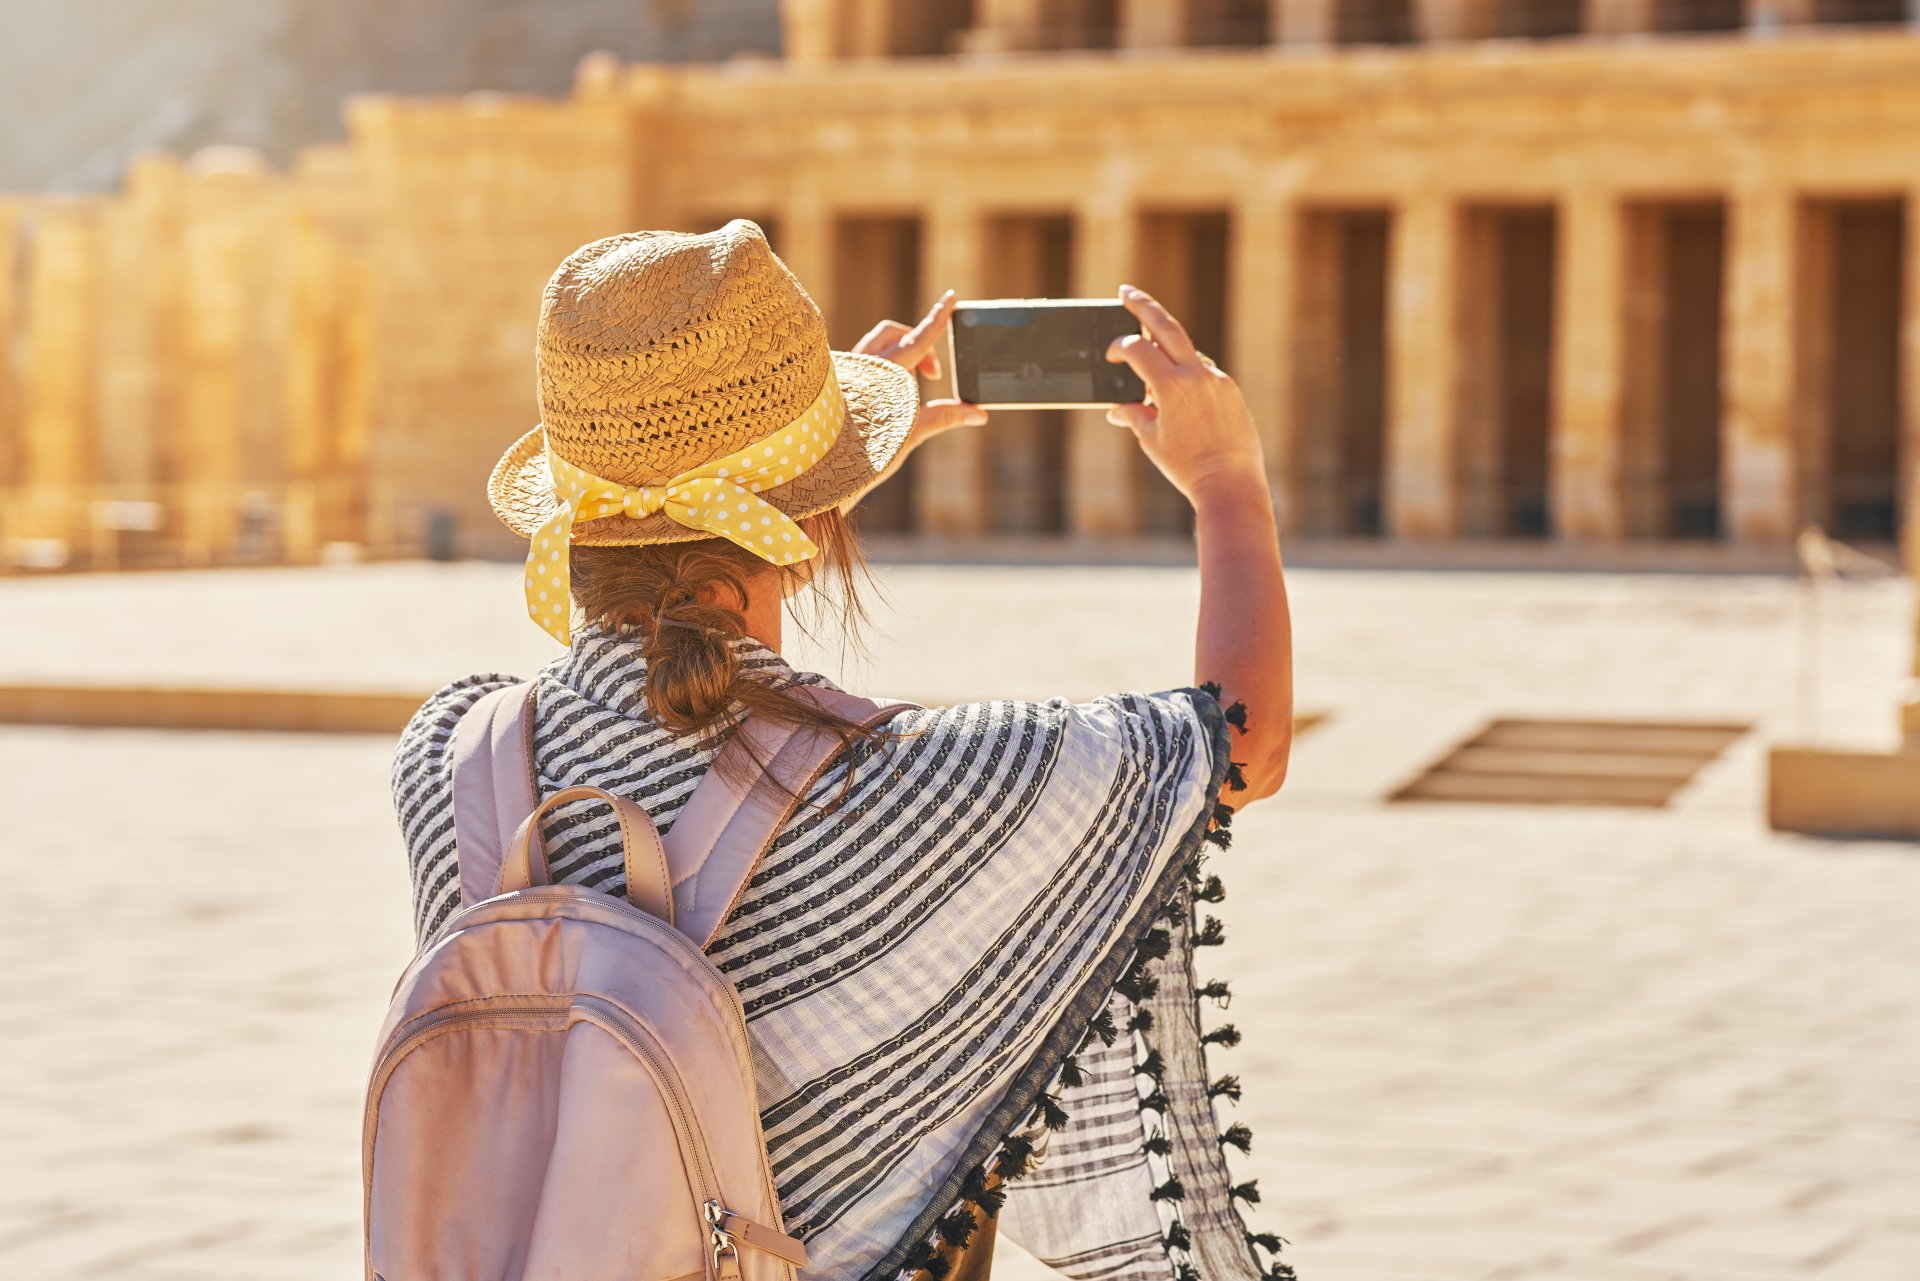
(917, 349)
(1194, 425)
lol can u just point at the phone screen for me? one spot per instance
(1041, 352)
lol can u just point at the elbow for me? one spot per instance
(1265, 771)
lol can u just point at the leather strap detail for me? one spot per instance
(763, 1238)
(649, 887)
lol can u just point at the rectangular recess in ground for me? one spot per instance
(1572, 762)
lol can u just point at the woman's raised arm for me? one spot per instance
(1196, 428)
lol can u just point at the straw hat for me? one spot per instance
(660, 351)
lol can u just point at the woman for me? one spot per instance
(966, 961)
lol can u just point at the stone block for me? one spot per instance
(1838, 793)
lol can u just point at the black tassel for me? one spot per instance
(1103, 1027)
(1236, 781)
(1157, 1143)
(1142, 1020)
(1216, 990)
(1155, 944)
(1174, 913)
(1227, 1087)
(1168, 1191)
(1281, 1272)
(1016, 1154)
(1267, 1241)
(956, 1229)
(1211, 934)
(1248, 1192)
(1210, 890)
(1219, 838)
(1222, 814)
(1238, 1136)
(1226, 1034)
(1155, 1102)
(920, 1258)
(1178, 1238)
(937, 1267)
(1071, 1077)
(1052, 1115)
(974, 1185)
(1186, 1272)
(990, 1200)
(1236, 715)
(1150, 1066)
(1211, 689)
(1137, 986)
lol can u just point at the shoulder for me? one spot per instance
(431, 727)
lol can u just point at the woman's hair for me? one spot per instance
(685, 602)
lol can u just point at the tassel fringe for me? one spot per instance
(981, 1198)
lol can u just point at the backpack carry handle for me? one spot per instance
(649, 884)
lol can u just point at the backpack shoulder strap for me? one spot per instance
(493, 784)
(730, 820)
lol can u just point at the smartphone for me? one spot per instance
(1041, 353)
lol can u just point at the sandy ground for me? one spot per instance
(1480, 1041)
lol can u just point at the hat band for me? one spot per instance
(721, 497)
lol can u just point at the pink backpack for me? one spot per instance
(564, 1088)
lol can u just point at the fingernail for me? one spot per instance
(1128, 291)
(976, 418)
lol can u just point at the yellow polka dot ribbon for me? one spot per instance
(720, 497)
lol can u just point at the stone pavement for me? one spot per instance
(1586, 1045)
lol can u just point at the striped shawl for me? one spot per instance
(976, 959)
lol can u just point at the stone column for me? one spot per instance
(1260, 258)
(1153, 24)
(1910, 387)
(806, 246)
(1005, 26)
(950, 471)
(11, 401)
(1586, 453)
(1450, 21)
(1305, 24)
(808, 30)
(1423, 341)
(56, 461)
(1767, 17)
(1103, 495)
(1618, 17)
(1758, 480)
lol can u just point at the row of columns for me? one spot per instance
(1763, 328)
(822, 29)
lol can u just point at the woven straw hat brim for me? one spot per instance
(882, 400)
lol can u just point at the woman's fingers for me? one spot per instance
(917, 344)
(1159, 324)
(881, 339)
(1144, 357)
(1135, 417)
(937, 416)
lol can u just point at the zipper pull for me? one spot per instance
(726, 1252)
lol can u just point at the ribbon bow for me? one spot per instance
(721, 497)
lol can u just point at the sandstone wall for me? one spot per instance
(222, 362)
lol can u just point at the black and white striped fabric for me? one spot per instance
(926, 944)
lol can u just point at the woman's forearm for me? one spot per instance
(1244, 642)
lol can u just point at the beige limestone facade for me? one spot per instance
(1589, 270)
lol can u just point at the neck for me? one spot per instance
(765, 604)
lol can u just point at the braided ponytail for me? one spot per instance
(686, 603)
